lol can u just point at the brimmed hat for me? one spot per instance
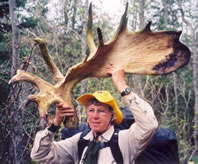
(103, 97)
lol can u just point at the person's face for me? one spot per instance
(99, 117)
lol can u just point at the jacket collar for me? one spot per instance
(105, 137)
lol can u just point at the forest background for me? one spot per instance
(63, 25)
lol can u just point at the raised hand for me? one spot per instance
(118, 78)
(62, 110)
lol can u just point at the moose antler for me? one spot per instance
(143, 52)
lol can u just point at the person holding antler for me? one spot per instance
(95, 147)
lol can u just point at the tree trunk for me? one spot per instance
(195, 82)
(84, 42)
(74, 13)
(141, 13)
(165, 14)
(138, 78)
(38, 9)
(176, 99)
(83, 48)
(15, 37)
(65, 12)
(16, 125)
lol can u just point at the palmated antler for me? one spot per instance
(143, 52)
(49, 93)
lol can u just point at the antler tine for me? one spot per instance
(178, 34)
(100, 37)
(50, 63)
(29, 77)
(147, 27)
(123, 23)
(44, 87)
(90, 40)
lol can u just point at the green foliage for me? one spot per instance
(4, 8)
(165, 22)
(3, 51)
(24, 52)
(195, 159)
(4, 69)
(21, 3)
(28, 22)
(4, 87)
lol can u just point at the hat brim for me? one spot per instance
(84, 99)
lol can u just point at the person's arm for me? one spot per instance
(141, 132)
(46, 149)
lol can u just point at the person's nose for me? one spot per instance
(96, 114)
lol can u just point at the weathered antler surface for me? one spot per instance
(143, 52)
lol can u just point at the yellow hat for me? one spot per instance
(103, 97)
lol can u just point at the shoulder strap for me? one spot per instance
(113, 144)
(82, 143)
(115, 149)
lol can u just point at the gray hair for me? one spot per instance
(96, 102)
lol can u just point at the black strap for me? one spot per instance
(113, 144)
(115, 149)
(53, 128)
(82, 143)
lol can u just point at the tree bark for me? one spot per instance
(16, 131)
(38, 9)
(83, 50)
(66, 12)
(74, 13)
(15, 37)
(176, 99)
(141, 13)
(195, 81)
(165, 13)
(138, 78)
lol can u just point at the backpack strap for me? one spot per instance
(115, 149)
(113, 144)
(82, 143)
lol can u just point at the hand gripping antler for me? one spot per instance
(49, 93)
(143, 52)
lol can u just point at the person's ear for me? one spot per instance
(113, 119)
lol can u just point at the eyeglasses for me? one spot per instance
(100, 112)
